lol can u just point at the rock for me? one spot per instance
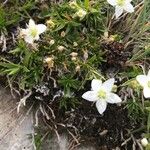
(16, 130)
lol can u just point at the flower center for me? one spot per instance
(33, 32)
(81, 13)
(73, 5)
(102, 94)
(148, 83)
(120, 2)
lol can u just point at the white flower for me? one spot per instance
(61, 48)
(75, 44)
(81, 13)
(63, 34)
(121, 5)
(101, 94)
(49, 61)
(33, 31)
(144, 81)
(52, 42)
(50, 23)
(73, 4)
(144, 142)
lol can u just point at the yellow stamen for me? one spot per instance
(34, 32)
(102, 94)
(120, 2)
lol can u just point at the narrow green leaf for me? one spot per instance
(14, 71)
(15, 51)
(86, 4)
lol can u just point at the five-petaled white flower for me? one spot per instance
(81, 13)
(32, 32)
(73, 4)
(144, 81)
(101, 94)
(121, 5)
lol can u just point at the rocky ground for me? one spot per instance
(17, 129)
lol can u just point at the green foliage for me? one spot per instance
(137, 26)
(28, 67)
(68, 102)
(28, 71)
(10, 69)
(18, 9)
(64, 17)
(68, 83)
(37, 141)
(69, 86)
(132, 71)
(135, 111)
(6, 19)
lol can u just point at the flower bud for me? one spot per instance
(50, 23)
(51, 42)
(134, 84)
(73, 4)
(111, 38)
(114, 89)
(77, 68)
(147, 47)
(81, 13)
(74, 54)
(144, 142)
(85, 55)
(106, 34)
(49, 61)
(75, 44)
(74, 58)
(61, 48)
(63, 33)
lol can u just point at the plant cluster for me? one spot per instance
(74, 42)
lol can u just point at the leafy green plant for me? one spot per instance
(135, 110)
(37, 141)
(80, 43)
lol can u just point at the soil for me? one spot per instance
(105, 131)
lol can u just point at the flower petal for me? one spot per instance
(112, 2)
(37, 37)
(24, 32)
(96, 84)
(118, 11)
(41, 28)
(142, 79)
(29, 39)
(90, 96)
(108, 85)
(113, 98)
(31, 23)
(128, 7)
(148, 73)
(101, 106)
(146, 92)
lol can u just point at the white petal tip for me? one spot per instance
(90, 96)
(101, 106)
